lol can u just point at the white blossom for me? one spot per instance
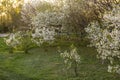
(106, 38)
(71, 57)
(45, 24)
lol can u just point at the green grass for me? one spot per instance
(46, 64)
(3, 46)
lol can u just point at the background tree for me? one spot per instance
(10, 12)
(79, 13)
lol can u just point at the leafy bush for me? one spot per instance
(19, 41)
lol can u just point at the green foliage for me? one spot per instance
(25, 42)
(19, 41)
(3, 46)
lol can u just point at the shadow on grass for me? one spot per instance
(6, 74)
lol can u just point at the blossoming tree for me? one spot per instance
(71, 59)
(105, 37)
(45, 25)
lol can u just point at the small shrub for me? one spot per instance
(71, 59)
(19, 41)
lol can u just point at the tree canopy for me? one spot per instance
(9, 11)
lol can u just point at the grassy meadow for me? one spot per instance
(45, 63)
